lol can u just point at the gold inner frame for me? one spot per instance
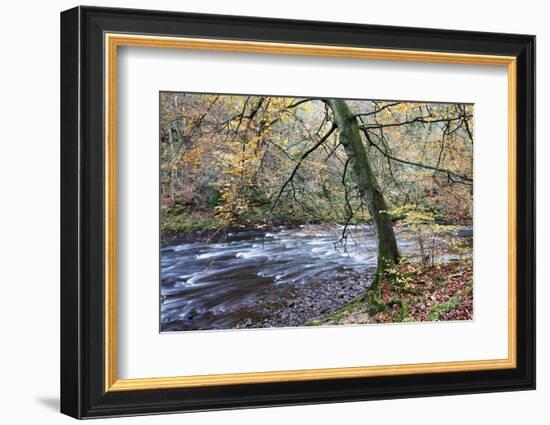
(113, 41)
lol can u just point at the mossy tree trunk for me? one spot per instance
(348, 130)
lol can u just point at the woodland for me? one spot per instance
(397, 173)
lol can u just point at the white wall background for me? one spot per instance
(29, 216)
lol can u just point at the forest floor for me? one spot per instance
(412, 292)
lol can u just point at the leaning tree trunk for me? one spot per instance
(368, 186)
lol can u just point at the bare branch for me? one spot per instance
(376, 111)
(297, 166)
(293, 105)
(416, 164)
(420, 119)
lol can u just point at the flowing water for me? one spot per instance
(260, 278)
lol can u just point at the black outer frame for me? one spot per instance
(82, 212)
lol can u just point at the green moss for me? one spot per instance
(184, 223)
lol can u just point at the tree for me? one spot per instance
(348, 130)
(250, 159)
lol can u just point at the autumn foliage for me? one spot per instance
(225, 158)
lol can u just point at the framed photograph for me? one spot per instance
(261, 212)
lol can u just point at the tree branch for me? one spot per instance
(415, 164)
(366, 114)
(297, 166)
(421, 120)
(293, 105)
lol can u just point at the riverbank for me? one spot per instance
(206, 226)
(178, 221)
(412, 292)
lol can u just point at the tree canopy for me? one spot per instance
(241, 160)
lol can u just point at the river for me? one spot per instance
(267, 278)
